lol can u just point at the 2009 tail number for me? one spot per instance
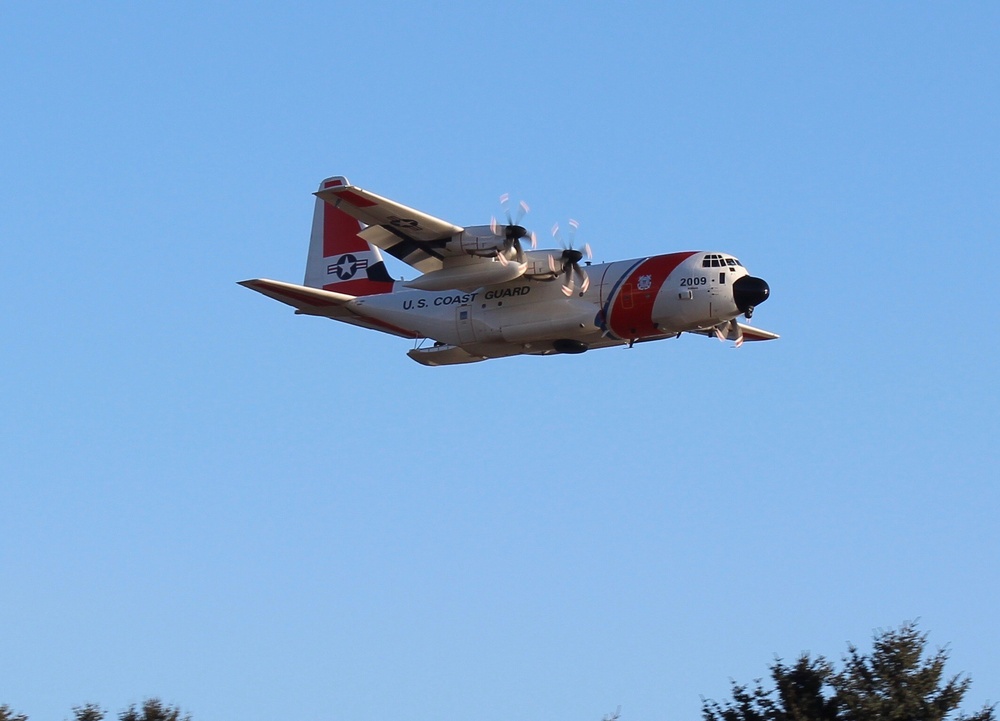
(691, 282)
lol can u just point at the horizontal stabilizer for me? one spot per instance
(325, 303)
(312, 301)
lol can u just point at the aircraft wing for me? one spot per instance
(729, 332)
(416, 238)
(751, 333)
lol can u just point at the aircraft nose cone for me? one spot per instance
(749, 292)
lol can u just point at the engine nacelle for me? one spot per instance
(480, 240)
(542, 264)
(467, 276)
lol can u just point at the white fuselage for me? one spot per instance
(627, 301)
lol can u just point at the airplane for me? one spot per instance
(482, 294)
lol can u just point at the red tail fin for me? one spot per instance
(338, 259)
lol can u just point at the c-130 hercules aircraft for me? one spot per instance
(482, 295)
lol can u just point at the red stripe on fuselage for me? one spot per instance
(631, 310)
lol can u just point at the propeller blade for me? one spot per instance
(723, 331)
(534, 240)
(512, 232)
(567, 286)
(505, 204)
(574, 226)
(524, 209)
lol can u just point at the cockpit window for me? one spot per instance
(716, 260)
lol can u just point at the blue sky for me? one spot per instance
(257, 515)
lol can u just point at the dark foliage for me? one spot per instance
(152, 710)
(88, 712)
(894, 683)
(8, 714)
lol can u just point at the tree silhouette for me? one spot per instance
(88, 712)
(894, 683)
(153, 710)
(8, 714)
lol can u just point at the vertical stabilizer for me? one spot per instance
(338, 259)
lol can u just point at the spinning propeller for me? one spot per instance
(724, 331)
(513, 232)
(571, 258)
